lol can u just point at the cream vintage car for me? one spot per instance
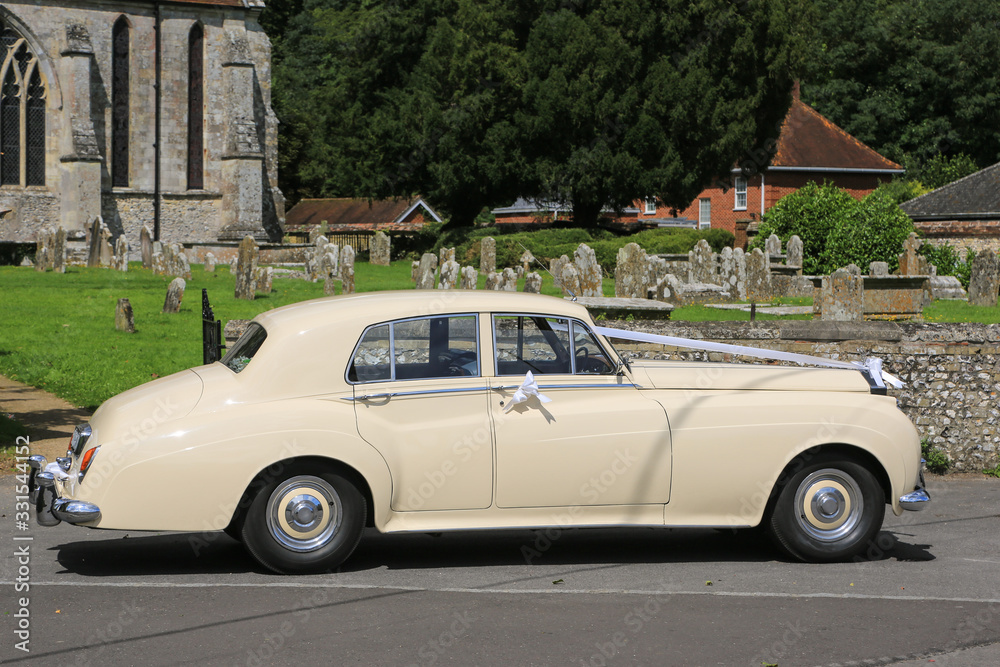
(432, 411)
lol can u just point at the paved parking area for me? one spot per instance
(929, 595)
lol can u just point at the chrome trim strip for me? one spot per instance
(75, 511)
(390, 394)
(915, 501)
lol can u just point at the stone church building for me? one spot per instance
(143, 112)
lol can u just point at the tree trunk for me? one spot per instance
(586, 213)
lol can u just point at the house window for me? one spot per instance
(22, 113)
(196, 106)
(705, 212)
(119, 103)
(741, 194)
(650, 207)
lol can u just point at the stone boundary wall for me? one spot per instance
(952, 371)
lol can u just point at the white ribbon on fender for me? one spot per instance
(872, 364)
(527, 389)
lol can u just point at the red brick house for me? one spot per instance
(357, 217)
(809, 148)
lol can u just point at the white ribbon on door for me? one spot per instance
(527, 389)
(872, 364)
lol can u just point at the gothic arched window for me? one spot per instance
(22, 113)
(119, 103)
(196, 109)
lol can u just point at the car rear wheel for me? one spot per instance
(304, 521)
(830, 510)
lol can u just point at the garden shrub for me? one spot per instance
(947, 261)
(873, 232)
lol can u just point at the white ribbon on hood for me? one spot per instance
(872, 364)
(527, 389)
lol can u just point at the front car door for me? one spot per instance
(599, 441)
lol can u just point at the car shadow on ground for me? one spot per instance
(215, 553)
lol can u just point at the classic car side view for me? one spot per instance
(425, 411)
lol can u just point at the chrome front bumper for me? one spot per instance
(916, 500)
(51, 510)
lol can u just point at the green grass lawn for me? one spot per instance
(57, 331)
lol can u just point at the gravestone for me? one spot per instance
(570, 280)
(519, 270)
(843, 296)
(533, 282)
(658, 270)
(909, 260)
(119, 261)
(631, 272)
(984, 280)
(494, 281)
(487, 255)
(94, 242)
(449, 274)
(246, 269)
(265, 279)
(426, 271)
(414, 269)
(58, 256)
(508, 281)
(733, 272)
(124, 318)
(556, 267)
(469, 277)
(793, 253)
(43, 249)
(878, 269)
(758, 276)
(446, 254)
(146, 246)
(175, 294)
(329, 261)
(232, 263)
(346, 269)
(180, 266)
(703, 263)
(772, 246)
(210, 263)
(330, 286)
(380, 252)
(527, 259)
(585, 259)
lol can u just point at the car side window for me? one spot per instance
(429, 347)
(531, 343)
(589, 358)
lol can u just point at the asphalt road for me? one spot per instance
(929, 595)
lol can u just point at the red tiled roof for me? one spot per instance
(808, 140)
(356, 215)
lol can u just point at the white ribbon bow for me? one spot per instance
(527, 389)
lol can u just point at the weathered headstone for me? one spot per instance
(843, 296)
(758, 276)
(469, 277)
(246, 269)
(426, 271)
(984, 281)
(793, 253)
(124, 318)
(329, 261)
(446, 254)
(509, 280)
(119, 261)
(591, 276)
(94, 242)
(380, 251)
(487, 255)
(233, 261)
(210, 263)
(733, 272)
(878, 269)
(570, 280)
(703, 263)
(527, 259)
(346, 269)
(330, 286)
(449, 274)
(43, 250)
(632, 272)
(494, 281)
(533, 282)
(909, 260)
(772, 246)
(414, 270)
(182, 268)
(146, 246)
(556, 267)
(175, 294)
(265, 279)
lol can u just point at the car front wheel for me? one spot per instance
(304, 521)
(830, 510)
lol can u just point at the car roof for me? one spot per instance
(370, 307)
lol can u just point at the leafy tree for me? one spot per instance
(942, 170)
(811, 212)
(910, 77)
(874, 231)
(900, 190)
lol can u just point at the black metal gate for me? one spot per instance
(211, 332)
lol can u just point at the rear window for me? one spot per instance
(240, 354)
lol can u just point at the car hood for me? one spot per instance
(729, 377)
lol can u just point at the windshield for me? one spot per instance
(240, 354)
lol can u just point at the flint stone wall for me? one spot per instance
(952, 371)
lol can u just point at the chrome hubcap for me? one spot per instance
(828, 504)
(304, 513)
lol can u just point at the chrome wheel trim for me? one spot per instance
(828, 505)
(304, 513)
